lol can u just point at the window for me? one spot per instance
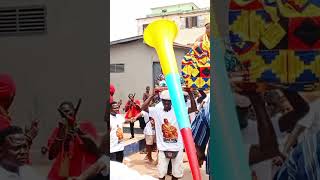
(191, 22)
(23, 20)
(144, 27)
(116, 68)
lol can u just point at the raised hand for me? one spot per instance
(32, 132)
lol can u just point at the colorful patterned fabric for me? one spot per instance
(196, 65)
(272, 52)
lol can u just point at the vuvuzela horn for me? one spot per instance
(160, 35)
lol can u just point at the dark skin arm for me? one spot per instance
(146, 104)
(193, 107)
(32, 132)
(201, 155)
(268, 145)
(89, 143)
(300, 108)
(203, 96)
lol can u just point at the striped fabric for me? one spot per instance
(201, 130)
(304, 161)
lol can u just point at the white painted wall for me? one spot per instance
(66, 63)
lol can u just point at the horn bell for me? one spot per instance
(160, 30)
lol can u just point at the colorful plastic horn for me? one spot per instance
(160, 35)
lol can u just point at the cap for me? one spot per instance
(165, 95)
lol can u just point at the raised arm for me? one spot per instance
(300, 108)
(268, 145)
(193, 107)
(146, 104)
(202, 97)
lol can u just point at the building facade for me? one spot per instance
(134, 65)
(189, 18)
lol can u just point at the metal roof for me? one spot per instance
(190, 3)
(136, 38)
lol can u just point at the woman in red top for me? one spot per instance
(72, 146)
(132, 109)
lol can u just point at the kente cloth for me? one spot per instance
(132, 110)
(272, 52)
(196, 65)
(7, 93)
(78, 159)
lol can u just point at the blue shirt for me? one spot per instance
(201, 130)
(303, 162)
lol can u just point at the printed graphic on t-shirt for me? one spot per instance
(170, 133)
(152, 123)
(119, 133)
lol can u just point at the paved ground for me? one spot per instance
(137, 162)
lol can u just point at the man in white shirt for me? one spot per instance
(169, 139)
(14, 155)
(116, 133)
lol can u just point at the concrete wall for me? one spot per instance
(138, 59)
(67, 63)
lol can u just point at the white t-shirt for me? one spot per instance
(149, 130)
(116, 133)
(25, 173)
(312, 120)
(250, 133)
(264, 169)
(206, 100)
(167, 130)
(105, 160)
(119, 171)
(192, 115)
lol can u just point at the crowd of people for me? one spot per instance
(160, 127)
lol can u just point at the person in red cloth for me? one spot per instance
(72, 145)
(132, 109)
(7, 94)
